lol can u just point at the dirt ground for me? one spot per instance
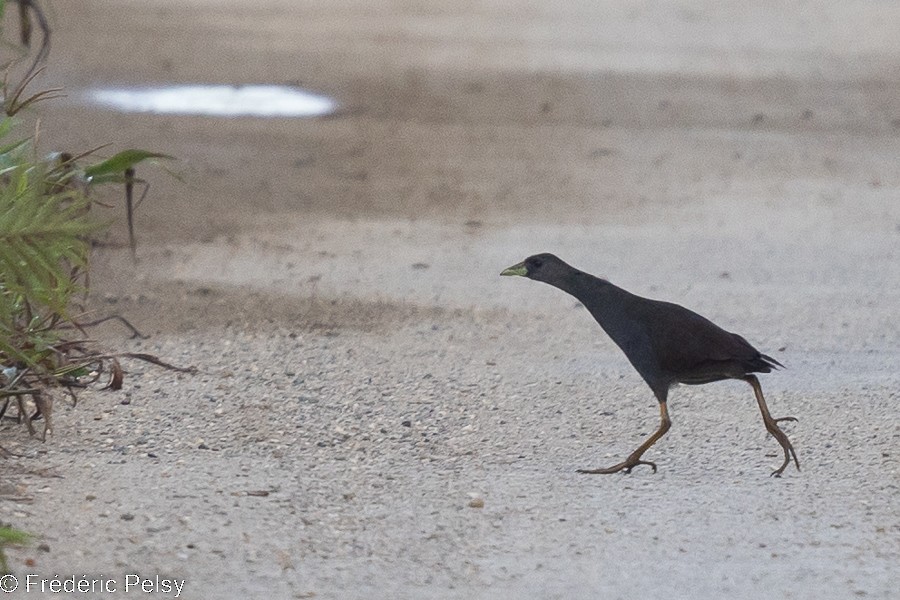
(377, 414)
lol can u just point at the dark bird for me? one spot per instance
(666, 344)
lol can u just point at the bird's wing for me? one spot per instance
(684, 341)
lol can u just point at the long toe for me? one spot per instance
(623, 466)
(777, 472)
(789, 454)
(787, 461)
(780, 419)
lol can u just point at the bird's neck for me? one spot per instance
(581, 285)
(600, 297)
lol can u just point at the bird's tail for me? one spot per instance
(768, 363)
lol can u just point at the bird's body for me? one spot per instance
(666, 343)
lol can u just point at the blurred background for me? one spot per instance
(610, 112)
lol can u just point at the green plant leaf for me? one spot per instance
(44, 247)
(73, 370)
(8, 535)
(117, 177)
(6, 123)
(4, 150)
(121, 161)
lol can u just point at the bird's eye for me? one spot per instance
(537, 263)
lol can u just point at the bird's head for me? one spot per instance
(540, 267)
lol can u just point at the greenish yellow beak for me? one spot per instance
(518, 269)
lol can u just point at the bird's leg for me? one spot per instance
(772, 427)
(634, 459)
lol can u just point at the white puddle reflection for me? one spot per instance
(216, 100)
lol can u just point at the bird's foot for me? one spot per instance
(626, 466)
(788, 455)
(786, 446)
